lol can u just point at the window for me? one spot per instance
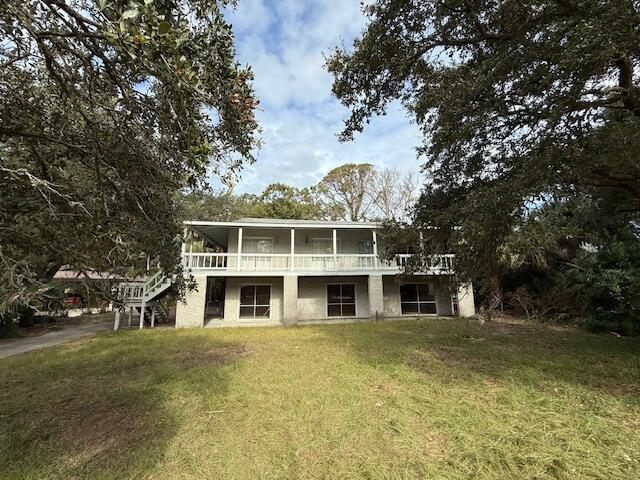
(255, 301)
(417, 299)
(341, 300)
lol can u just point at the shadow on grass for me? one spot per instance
(103, 407)
(456, 350)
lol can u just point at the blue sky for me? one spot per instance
(284, 42)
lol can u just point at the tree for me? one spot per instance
(215, 206)
(107, 111)
(393, 193)
(276, 201)
(521, 104)
(345, 191)
(574, 258)
(283, 201)
(483, 114)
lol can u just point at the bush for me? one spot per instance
(622, 325)
(10, 330)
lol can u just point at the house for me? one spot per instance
(282, 272)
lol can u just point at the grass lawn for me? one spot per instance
(407, 399)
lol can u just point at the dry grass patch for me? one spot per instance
(416, 399)
(211, 357)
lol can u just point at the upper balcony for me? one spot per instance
(271, 247)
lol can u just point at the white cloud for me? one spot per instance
(284, 42)
(254, 17)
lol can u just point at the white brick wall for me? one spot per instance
(290, 300)
(391, 295)
(190, 312)
(376, 297)
(443, 298)
(232, 298)
(466, 302)
(312, 296)
(305, 298)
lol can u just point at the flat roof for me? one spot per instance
(283, 222)
(67, 273)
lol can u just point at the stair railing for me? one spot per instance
(152, 283)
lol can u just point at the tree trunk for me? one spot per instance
(494, 295)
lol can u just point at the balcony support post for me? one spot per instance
(116, 322)
(184, 248)
(293, 248)
(335, 249)
(374, 240)
(239, 247)
(142, 309)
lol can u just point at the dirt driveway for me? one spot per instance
(72, 332)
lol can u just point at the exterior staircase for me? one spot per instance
(162, 313)
(144, 297)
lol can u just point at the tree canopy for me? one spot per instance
(522, 106)
(284, 201)
(275, 201)
(506, 92)
(491, 83)
(345, 191)
(384, 193)
(108, 110)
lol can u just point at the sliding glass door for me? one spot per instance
(418, 299)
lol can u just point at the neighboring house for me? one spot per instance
(78, 300)
(271, 271)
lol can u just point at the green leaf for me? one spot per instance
(164, 27)
(128, 14)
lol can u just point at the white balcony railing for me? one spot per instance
(434, 263)
(250, 262)
(335, 263)
(131, 292)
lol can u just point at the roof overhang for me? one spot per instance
(67, 273)
(218, 234)
(198, 224)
